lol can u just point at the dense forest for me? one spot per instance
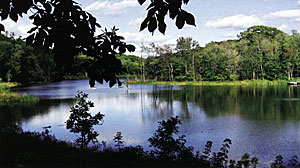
(25, 64)
(260, 52)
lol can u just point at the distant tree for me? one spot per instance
(254, 31)
(185, 46)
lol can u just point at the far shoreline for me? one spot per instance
(210, 83)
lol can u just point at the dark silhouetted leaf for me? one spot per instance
(172, 13)
(4, 13)
(47, 7)
(144, 24)
(31, 17)
(122, 49)
(13, 16)
(112, 83)
(37, 20)
(32, 30)
(185, 1)
(150, 6)
(29, 39)
(130, 48)
(141, 1)
(99, 79)
(151, 12)
(162, 26)
(1, 28)
(189, 18)
(180, 20)
(119, 83)
(92, 82)
(152, 24)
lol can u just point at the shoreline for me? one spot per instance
(210, 83)
(6, 96)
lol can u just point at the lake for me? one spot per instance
(263, 121)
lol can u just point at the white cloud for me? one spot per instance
(236, 22)
(144, 37)
(135, 22)
(172, 41)
(19, 28)
(298, 3)
(230, 35)
(284, 14)
(110, 8)
(284, 27)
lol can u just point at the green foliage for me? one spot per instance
(82, 122)
(26, 64)
(131, 66)
(260, 53)
(8, 97)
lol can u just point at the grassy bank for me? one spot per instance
(6, 96)
(75, 77)
(211, 83)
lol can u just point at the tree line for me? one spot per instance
(260, 52)
(26, 64)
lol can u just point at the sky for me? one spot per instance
(216, 20)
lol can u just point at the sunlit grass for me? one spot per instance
(211, 83)
(8, 97)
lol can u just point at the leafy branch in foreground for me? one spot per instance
(157, 10)
(82, 122)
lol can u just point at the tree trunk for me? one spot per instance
(194, 73)
(171, 70)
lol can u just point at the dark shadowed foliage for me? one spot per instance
(168, 144)
(27, 149)
(119, 140)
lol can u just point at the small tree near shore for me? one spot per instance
(81, 121)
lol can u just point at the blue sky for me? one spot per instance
(216, 20)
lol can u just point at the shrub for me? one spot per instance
(168, 144)
(82, 122)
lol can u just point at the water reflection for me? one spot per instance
(251, 103)
(261, 120)
(23, 112)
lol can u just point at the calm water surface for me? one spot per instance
(262, 121)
